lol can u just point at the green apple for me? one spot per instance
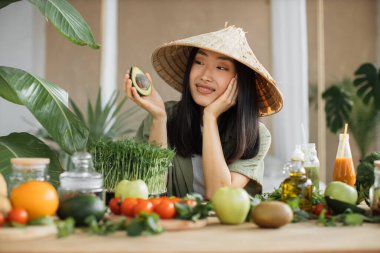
(341, 191)
(231, 205)
(132, 189)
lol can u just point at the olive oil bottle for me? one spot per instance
(297, 185)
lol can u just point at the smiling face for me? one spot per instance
(210, 75)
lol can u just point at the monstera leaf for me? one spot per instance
(367, 83)
(26, 145)
(4, 3)
(338, 107)
(48, 103)
(65, 18)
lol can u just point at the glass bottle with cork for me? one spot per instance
(311, 164)
(374, 192)
(344, 170)
(297, 185)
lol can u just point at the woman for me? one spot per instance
(214, 128)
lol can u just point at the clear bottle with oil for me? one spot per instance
(297, 185)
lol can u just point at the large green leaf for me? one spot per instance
(338, 107)
(47, 102)
(4, 3)
(67, 20)
(26, 145)
(367, 83)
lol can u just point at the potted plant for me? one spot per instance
(356, 103)
(45, 100)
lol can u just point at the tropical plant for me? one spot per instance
(108, 121)
(356, 103)
(45, 100)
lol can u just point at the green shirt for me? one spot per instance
(180, 175)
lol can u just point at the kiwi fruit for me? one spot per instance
(272, 214)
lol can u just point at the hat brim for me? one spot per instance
(170, 61)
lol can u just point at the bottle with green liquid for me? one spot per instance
(311, 164)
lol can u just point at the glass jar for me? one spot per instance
(374, 192)
(311, 164)
(344, 170)
(82, 179)
(28, 169)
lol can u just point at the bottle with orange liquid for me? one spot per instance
(344, 170)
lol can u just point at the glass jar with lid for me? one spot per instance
(82, 178)
(27, 169)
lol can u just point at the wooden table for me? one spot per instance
(301, 237)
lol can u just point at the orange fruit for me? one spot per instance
(38, 198)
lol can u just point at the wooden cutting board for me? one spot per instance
(27, 233)
(169, 225)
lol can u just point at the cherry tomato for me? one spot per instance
(143, 205)
(18, 215)
(174, 199)
(155, 201)
(115, 205)
(1, 219)
(317, 209)
(127, 206)
(190, 202)
(166, 209)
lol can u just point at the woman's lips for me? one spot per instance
(204, 89)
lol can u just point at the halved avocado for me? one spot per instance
(339, 206)
(140, 81)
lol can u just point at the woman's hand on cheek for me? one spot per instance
(153, 103)
(224, 102)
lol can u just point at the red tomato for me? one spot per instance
(166, 209)
(143, 205)
(18, 215)
(174, 199)
(155, 201)
(127, 206)
(1, 219)
(317, 209)
(190, 202)
(115, 205)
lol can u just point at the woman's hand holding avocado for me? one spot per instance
(224, 102)
(153, 103)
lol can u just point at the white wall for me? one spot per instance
(22, 45)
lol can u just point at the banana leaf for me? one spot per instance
(4, 3)
(67, 20)
(26, 145)
(367, 83)
(47, 102)
(338, 107)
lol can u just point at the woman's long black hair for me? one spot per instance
(239, 125)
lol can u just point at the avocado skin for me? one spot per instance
(80, 207)
(137, 76)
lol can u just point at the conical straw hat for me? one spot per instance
(170, 62)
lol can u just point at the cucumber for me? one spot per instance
(81, 206)
(339, 207)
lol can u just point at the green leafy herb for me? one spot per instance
(45, 220)
(131, 159)
(65, 227)
(144, 224)
(104, 227)
(199, 211)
